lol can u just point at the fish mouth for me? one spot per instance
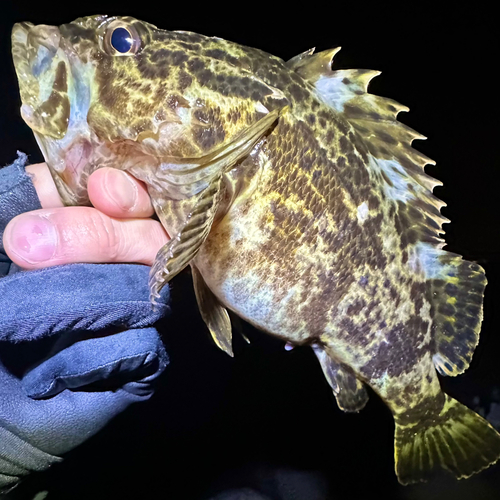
(42, 71)
(55, 93)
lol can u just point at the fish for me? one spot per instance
(296, 198)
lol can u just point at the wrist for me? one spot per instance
(18, 458)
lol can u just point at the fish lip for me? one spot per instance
(20, 30)
(42, 81)
(46, 36)
(27, 39)
(26, 80)
(19, 40)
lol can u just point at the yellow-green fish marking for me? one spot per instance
(294, 195)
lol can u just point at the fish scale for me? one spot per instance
(296, 198)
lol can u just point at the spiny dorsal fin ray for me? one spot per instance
(309, 66)
(294, 62)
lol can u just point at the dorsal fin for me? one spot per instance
(294, 62)
(454, 286)
(399, 166)
(310, 66)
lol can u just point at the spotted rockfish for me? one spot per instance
(294, 195)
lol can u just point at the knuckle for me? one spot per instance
(106, 236)
(147, 237)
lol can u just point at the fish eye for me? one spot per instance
(121, 40)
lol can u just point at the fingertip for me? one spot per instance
(119, 194)
(30, 239)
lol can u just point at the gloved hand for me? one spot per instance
(76, 348)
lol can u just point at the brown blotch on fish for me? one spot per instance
(355, 308)
(185, 80)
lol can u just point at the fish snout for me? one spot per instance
(33, 48)
(42, 45)
(45, 36)
(43, 78)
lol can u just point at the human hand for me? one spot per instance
(76, 346)
(118, 229)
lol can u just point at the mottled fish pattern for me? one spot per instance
(294, 195)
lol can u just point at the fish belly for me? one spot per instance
(293, 295)
(247, 273)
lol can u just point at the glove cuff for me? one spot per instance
(18, 458)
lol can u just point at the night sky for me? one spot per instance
(267, 419)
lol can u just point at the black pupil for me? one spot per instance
(121, 40)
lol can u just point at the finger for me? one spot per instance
(44, 185)
(112, 191)
(118, 194)
(50, 237)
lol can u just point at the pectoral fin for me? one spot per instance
(198, 179)
(186, 177)
(214, 314)
(182, 248)
(349, 392)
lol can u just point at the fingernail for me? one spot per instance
(33, 239)
(121, 189)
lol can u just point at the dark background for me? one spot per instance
(267, 420)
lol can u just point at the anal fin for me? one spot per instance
(214, 314)
(349, 391)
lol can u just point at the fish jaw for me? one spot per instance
(56, 91)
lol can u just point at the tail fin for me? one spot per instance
(455, 439)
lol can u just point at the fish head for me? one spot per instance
(119, 92)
